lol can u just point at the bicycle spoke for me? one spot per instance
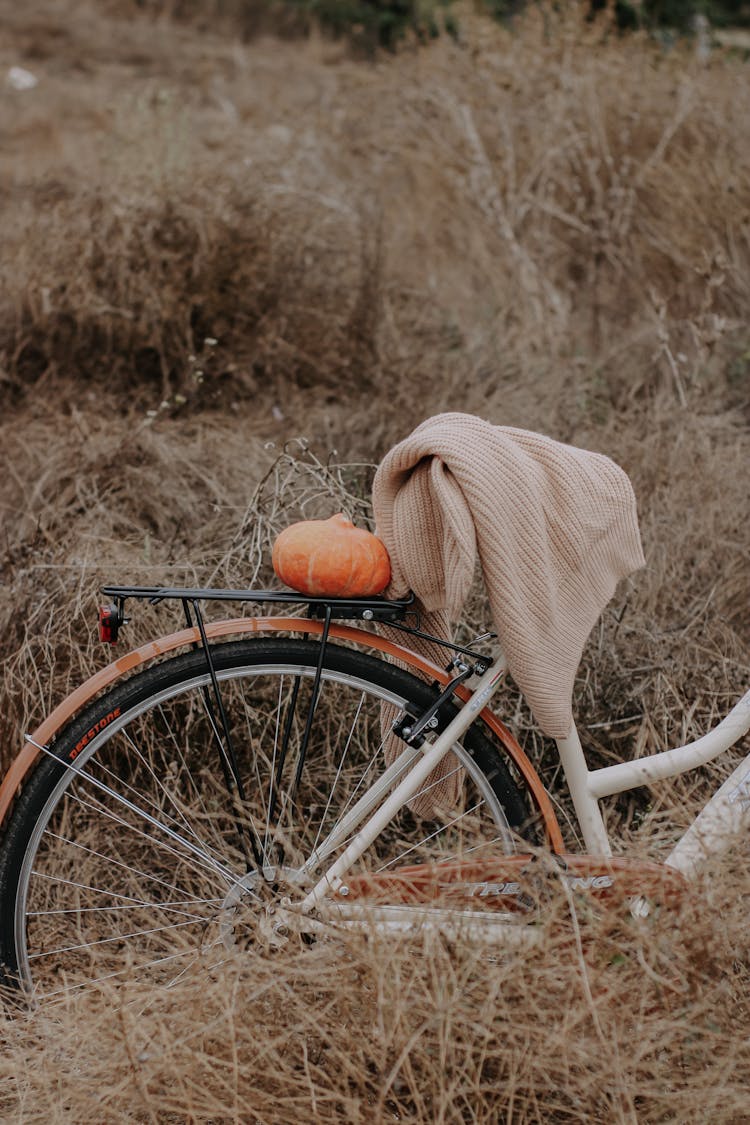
(357, 788)
(143, 815)
(426, 840)
(185, 771)
(335, 782)
(111, 860)
(129, 901)
(187, 826)
(115, 937)
(128, 969)
(88, 887)
(108, 814)
(272, 771)
(170, 907)
(346, 840)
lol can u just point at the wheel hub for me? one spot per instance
(252, 913)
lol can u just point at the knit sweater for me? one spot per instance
(554, 527)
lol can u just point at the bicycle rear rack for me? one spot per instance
(394, 612)
(359, 609)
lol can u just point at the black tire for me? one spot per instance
(130, 810)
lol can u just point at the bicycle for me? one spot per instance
(183, 805)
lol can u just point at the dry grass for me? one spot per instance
(623, 1024)
(546, 230)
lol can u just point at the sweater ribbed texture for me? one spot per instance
(555, 528)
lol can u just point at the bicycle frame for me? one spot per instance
(713, 828)
(709, 834)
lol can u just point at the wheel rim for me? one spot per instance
(138, 832)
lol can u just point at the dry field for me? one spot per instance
(214, 247)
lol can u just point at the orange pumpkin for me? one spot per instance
(331, 558)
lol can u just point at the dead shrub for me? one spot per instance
(187, 296)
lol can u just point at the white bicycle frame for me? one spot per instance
(711, 832)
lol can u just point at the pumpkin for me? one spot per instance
(331, 558)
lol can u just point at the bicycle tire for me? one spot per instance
(129, 810)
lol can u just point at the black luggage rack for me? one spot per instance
(367, 609)
(112, 617)
(396, 612)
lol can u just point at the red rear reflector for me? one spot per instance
(109, 623)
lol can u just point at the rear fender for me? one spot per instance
(219, 630)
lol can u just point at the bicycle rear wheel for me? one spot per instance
(135, 845)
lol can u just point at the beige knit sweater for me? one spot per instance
(554, 527)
